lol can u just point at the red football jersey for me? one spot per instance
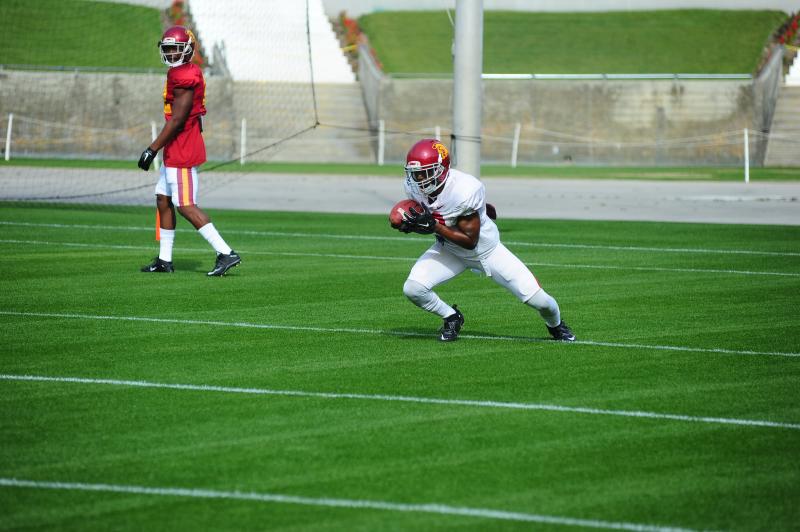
(187, 149)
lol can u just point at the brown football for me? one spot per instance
(404, 206)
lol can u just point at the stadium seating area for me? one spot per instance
(240, 27)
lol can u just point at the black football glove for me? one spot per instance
(418, 222)
(146, 159)
(404, 228)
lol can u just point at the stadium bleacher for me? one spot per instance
(241, 27)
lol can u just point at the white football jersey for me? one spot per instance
(462, 195)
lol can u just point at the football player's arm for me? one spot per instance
(181, 107)
(465, 233)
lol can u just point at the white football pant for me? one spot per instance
(437, 266)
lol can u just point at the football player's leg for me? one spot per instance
(166, 218)
(508, 271)
(547, 307)
(166, 213)
(164, 191)
(185, 197)
(434, 267)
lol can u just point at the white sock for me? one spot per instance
(547, 307)
(210, 233)
(167, 238)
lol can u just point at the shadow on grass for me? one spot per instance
(416, 333)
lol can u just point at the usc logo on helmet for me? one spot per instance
(441, 148)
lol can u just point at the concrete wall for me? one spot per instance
(584, 122)
(99, 115)
(620, 122)
(637, 122)
(355, 8)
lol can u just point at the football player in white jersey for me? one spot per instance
(466, 238)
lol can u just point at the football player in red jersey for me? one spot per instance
(466, 238)
(184, 151)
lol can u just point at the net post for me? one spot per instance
(381, 141)
(746, 157)
(8, 136)
(515, 145)
(154, 134)
(243, 142)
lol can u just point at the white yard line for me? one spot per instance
(306, 328)
(407, 239)
(204, 250)
(357, 504)
(407, 399)
(404, 259)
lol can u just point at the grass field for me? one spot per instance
(643, 42)
(79, 33)
(662, 173)
(100, 34)
(335, 408)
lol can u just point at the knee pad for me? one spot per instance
(415, 291)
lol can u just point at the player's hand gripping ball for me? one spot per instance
(402, 210)
(409, 216)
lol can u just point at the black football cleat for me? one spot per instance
(158, 266)
(561, 332)
(452, 325)
(224, 263)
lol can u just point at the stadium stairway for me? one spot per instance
(783, 148)
(342, 136)
(268, 40)
(266, 53)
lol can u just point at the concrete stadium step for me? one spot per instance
(783, 148)
(789, 122)
(327, 145)
(268, 41)
(275, 111)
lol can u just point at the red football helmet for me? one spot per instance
(427, 165)
(177, 46)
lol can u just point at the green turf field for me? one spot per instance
(337, 408)
(79, 33)
(634, 42)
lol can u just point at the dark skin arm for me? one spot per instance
(181, 107)
(465, 233)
